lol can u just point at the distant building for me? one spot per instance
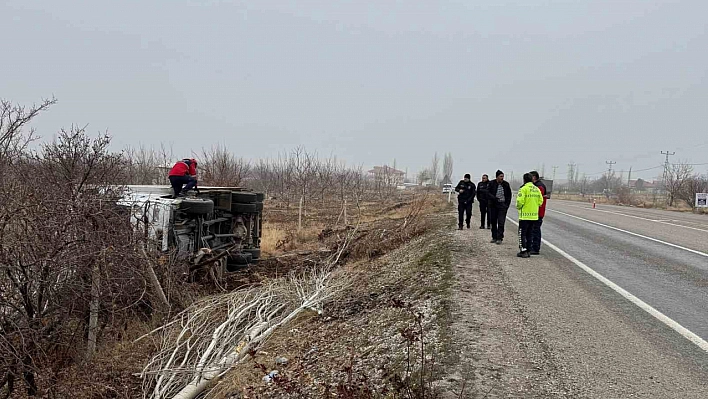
(643, 185)
(387, 175)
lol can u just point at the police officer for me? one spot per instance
(483, 200)
(466, 190)
(528, 201)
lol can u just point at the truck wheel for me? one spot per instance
(238, 261)
(243, 208)
(196, 206)
(243, 197)
(255, 252)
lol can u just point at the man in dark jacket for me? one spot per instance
(536, 241)
(483, 200)
(499, 194)
(465, 199)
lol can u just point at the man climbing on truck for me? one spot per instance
(183, 173)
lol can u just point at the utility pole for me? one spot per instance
(629, 178)
(554, 172)
(666, 164)
(609, 169)
(609, 172)
(571, 174)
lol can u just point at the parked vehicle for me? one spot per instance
(549, 186)
(222, 223)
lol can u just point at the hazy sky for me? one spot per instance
(500, 84)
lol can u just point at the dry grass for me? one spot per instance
(279, 238)
(272, 236)
(111, 373)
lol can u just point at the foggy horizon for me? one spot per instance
(520, 86)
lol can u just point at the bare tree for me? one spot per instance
(447, 166)
(304, 168)
(147, 165)
(219, 167)
(14, 139)
(677, 176)
(692, 186)
(435, 169)
(583, 184)
(67, 254)
(326, 175)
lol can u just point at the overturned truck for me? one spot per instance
(218, 226)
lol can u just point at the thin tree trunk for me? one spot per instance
(94, 308)
(157, 287)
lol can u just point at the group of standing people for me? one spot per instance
(494, 198)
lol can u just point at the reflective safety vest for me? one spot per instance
(528, 201)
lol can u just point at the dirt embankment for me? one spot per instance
(366, 343)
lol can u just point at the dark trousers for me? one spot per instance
(178, 181)
(536, 242)
(498, 218)
(485, 214)
(462, 208)
(526, 234)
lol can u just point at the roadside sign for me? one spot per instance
(701, 200)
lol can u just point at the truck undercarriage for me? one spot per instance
(215, 225)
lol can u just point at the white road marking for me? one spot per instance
(667, 222)
(686, 333)
(633, 233)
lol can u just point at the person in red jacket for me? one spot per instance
(184, 173)
(536, 240)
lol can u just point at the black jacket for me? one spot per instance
(482, 190)
(467, 195)
(492, 194)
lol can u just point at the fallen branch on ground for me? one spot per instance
(216, 333)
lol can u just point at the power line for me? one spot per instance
(653, 167)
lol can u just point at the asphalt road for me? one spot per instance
(602, 344)
(671, 278)
(660, 257)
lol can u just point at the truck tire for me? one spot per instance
(243, 208)
(196, 206)
(238, 261)
(243, 197)
(260, 197)
(255, 252)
